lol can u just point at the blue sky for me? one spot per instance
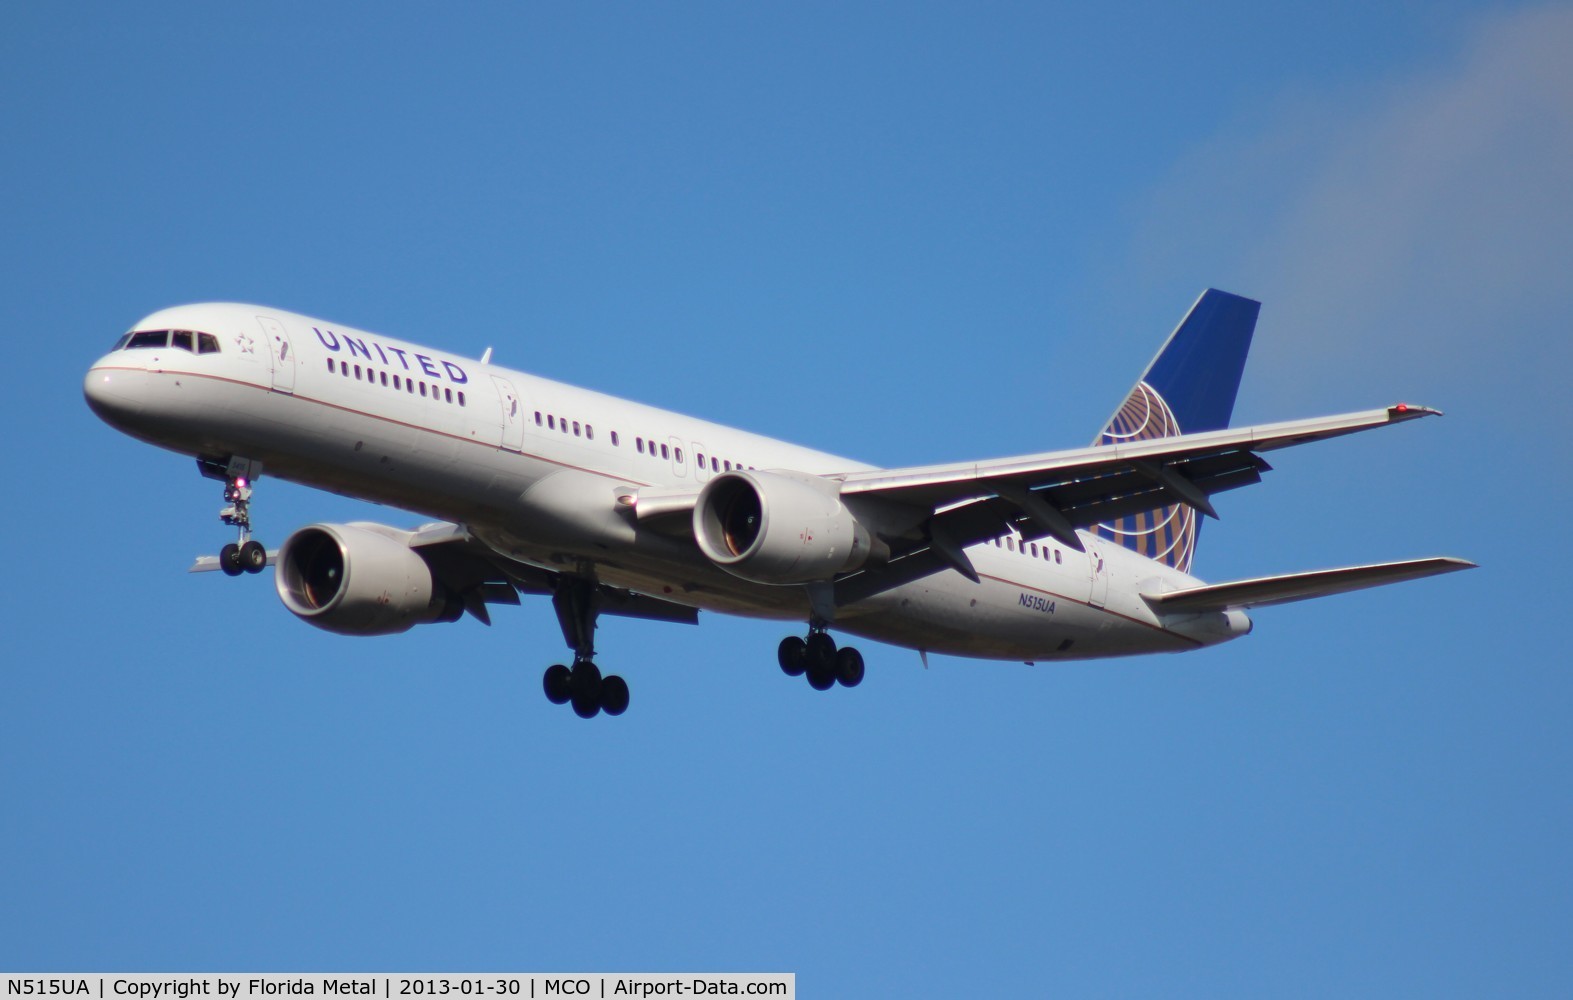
(906, 233)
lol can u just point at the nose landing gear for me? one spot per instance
(246, 555)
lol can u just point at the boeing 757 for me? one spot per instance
(615, 508)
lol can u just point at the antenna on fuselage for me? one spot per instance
(486, 358)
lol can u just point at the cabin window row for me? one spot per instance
(182, 340)
(1011, 543)
(552, 422)
(720, 464)
(415, 387)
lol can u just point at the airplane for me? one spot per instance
(610, 507)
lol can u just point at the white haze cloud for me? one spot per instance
(1413, 239)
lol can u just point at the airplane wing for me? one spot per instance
(480, 576)
(1055, 493)
(1288, 587)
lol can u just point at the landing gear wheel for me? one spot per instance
(229, 560)
(614, 695)
(558, 684)
(849, 667)
(585, 688)
(821, 649)
(792, 654)
(820, 660)
(253, 558)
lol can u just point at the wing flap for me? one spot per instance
(1288, 587)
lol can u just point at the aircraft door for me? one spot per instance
(512, 415)
(1099, 572)
(282, 355)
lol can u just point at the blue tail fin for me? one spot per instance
(1189, 387)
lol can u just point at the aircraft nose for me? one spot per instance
(117, 394)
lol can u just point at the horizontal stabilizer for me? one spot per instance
(1289, 587)
(209, 564)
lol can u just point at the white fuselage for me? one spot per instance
(535, 468)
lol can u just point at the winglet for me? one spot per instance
(1409, 411)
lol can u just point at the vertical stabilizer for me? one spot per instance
(1189, 387)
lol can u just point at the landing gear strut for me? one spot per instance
(582, 684)
(246, 555)
(818, 658)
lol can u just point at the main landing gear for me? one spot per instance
(818, 657)
(247, 555)
(582, 684)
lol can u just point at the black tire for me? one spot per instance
(558, 684)
(614, 695)
(792, 654)
(586, 683)
(820, 677)
(821, 649)
(849, 667)
(229, 560)
(253, 557)
(586, 707)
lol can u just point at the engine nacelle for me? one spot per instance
(770, 527)
(359, 579)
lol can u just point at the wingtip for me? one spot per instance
(1409, 411)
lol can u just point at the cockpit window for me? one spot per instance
(185, 340)
(148, 338)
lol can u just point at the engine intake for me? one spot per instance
(359, 579)
(778, 528)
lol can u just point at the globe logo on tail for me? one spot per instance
(1167, 534)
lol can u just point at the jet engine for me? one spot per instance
(779, 528)
(359, 579)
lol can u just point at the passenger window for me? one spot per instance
(614, 439)
(344, 370)
(207, 343)
(551, 423)
(727, 465)
(423, 388)
(181, 339)
(715, 465)
(357, 371)
(1010, 544)
(384, 377)
(665, 453)
(576, 428)
(330, 366)
(409, 386)
(447, 394)
(701, 459)
(1057, 556)
(589, 432)
(461, 394)
(639, 445)
(1034, 550)
(396, 384)
(149, 338)
(679, 453)
(562, 425)
(537, 418)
